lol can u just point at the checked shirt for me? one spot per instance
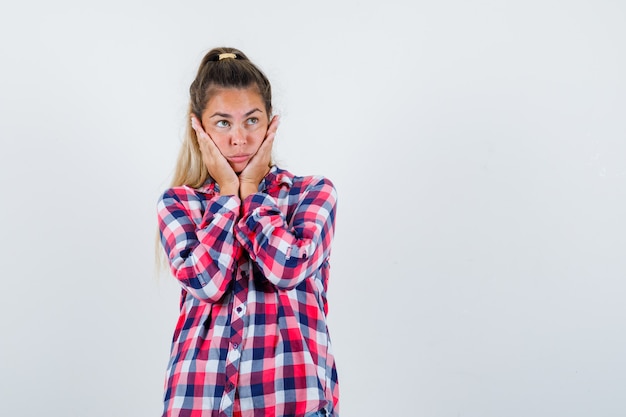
(251, 339)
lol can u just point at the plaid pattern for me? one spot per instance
(251, 339)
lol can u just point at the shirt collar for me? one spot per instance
(276, 177)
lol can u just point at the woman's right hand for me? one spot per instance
(218, 167)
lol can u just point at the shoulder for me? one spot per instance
(313, 190)
(302, 183)
(316, 184)
(183, 194)
(178, 193)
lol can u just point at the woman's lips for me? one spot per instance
(238, 158)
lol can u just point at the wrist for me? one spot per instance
(229, 189)
(247, 188)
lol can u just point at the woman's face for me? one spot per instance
(237, 122)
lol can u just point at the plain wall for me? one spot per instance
(478, 148)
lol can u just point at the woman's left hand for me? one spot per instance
(259, 165)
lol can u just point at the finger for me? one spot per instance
(197, 126)
(268, 142)
(273, 126)
(266, 145)
(203, 136)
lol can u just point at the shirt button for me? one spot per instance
(241, 310)
(235, 345)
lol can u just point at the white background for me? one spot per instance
(479, 151)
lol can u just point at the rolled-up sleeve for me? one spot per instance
(202, 252)
(289, 252)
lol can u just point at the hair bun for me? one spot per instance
(226, 56)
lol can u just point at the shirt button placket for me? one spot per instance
(234, 351)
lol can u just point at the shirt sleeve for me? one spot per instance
(201, 256)
(289, 253)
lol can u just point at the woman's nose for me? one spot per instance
(238, 137)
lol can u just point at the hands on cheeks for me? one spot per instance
(259, 165)
(247, 182)
(218, 167)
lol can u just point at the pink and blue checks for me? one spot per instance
(252, 338)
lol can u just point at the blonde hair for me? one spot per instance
(190, 169)
(220, 68)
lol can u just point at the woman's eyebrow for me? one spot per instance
(228, 116)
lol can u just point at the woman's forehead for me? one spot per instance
(234, 101)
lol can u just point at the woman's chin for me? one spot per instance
(239, 167)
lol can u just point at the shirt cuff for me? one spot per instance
(254, 202)
(224, 205)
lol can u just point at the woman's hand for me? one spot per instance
(259, 165)
(218, 167)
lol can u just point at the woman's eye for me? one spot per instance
(253, 120)
(222, 123)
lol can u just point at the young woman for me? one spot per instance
(250, 245)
